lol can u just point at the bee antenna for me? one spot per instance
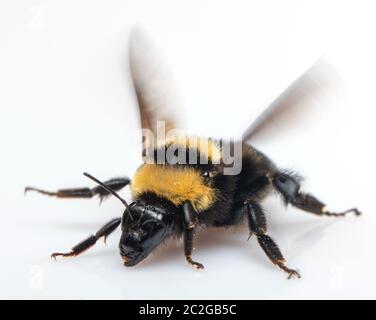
(110, 190)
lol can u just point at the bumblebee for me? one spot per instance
(175, 199)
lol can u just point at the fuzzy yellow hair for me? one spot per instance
(175, 183)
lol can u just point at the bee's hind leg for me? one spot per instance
(115, 184)
(105, 231)
(288, 186)
(257, 225)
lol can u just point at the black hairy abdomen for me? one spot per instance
(251, 183)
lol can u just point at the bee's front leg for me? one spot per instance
(115, 184)
(189, 233)
(104, 232)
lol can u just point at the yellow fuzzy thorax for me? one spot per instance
(175, 183)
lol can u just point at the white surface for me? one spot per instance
(67, 107)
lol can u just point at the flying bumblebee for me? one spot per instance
(174, 199)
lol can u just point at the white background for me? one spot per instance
(67, 106)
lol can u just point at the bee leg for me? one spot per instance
(105, 231)
(289, 188)
(189, 233)
(257, 225)
(115, 184)
(188, 248)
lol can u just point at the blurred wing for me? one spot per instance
(298, 105)
(157, 100)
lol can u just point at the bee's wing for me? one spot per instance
(156, 97)
(298, 105)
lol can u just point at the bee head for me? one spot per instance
(143, 230)
(145, 224)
